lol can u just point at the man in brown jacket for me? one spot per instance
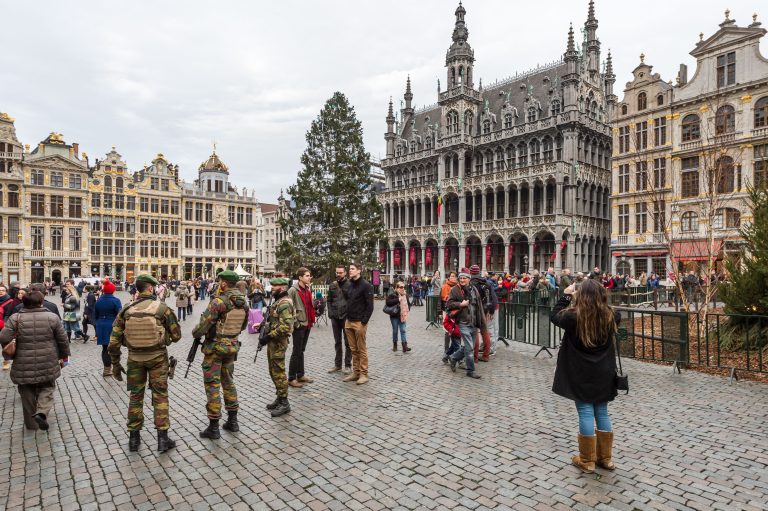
(38, 359)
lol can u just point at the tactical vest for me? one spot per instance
(232, 323)
(144, 329)
(273, 317)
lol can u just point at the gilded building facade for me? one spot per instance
(55, 229)
(219, 223)
(513, 176)
(11, 211)
(113, 219)
(716, 146)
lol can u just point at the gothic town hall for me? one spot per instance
(514, 176)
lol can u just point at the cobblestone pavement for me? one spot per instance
(416, 437)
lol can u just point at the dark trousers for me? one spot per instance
(86, 322)
(189, 308)
(338, 334)
(105, 358)
(296, 367)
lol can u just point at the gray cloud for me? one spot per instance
(174, 76)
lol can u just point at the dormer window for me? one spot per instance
(642, 101)
(726, 69)
(660, 100)
(623, 109)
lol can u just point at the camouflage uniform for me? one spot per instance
(220, 350)
(281, 317)
(143, 365)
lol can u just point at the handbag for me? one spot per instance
(392, 310)
(9, 350)
(621, 381)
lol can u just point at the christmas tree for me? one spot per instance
(334, 217)
(746, 294)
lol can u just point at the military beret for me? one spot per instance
(279, 281)
(229, 275)
(146, 277)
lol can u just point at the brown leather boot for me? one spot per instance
(585, 460)
(352, 377)
(604, 447)
(107, 372)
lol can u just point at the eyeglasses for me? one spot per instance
(400, 287)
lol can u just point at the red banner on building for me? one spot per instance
(446, 257)
(511, 252)
(488, 253)
(428, 257)
(412, 256)
(382, 255)
(467, 256)
(397, 257)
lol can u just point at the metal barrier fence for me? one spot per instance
(433, 311)
(529, 322)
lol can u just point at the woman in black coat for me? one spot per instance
(586, 368)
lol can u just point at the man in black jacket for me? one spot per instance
(464, 301)
(337, 311)
(359, 297)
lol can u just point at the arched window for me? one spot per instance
(691, 128)
(559, 147)
(761, 113)
(689, 222)
(508, 121)
(398, 152)
(531, 114)
(555, 107)
(488, 162)
(413, 146)
(642, 101)
(486, 126)
(468, 122)
(499, 159)
(547, 149)
(452, 122)
(107, 183)
(119, 185)
(593, 110)
(535, 151)
(624, 109)
(478, 163)
(522, 154)
(660, 100)
(428, 142)
(725, 120)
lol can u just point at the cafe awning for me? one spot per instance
(696, 250)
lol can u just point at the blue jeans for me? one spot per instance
(73, 327)
(397, 325)
(467, 349)
(589, 414)
(455, 344)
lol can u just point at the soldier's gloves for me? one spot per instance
(117, 371)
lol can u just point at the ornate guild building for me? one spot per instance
(513, 176)
(11, 212)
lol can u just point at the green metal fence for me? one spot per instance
(529, 322)
(433, 311)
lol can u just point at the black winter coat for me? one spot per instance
(583, 374)
(337, 304)
(359, 296)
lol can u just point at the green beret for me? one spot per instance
(146, 277)
(279, 281)
(228, 275)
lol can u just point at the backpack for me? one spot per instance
(485, 293)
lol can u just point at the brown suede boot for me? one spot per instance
(604, 447)
(585, 460)
(352, 377)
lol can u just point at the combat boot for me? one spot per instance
(163, 442)
(134, 441)
(282, 407)
(273, 404)
(231, 424)
(212, 431)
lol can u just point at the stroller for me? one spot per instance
(320, 310)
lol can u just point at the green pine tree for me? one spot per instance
(334, 217)
(746, 294)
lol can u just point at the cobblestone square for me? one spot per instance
(416, 437)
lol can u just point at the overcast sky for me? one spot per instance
(172, 76)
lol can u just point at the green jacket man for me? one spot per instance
(146, 326)
(221, 323)
(280, 319)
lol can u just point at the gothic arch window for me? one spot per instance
(535, 147)
(499, 159)
(522, 154)
(559, 147)
(453, 77)
(508, 121)
(555, 108)
(623, 109)
(531, 113)
(660, 100)
(478, 163)
(428, 142)
(452, 122)
(486, 126)
(468, 122)
(761, 113)
(689, 222)
(691, 128)
(488, 161)
(725, 120)
(510, 154)
(461, 74)
(547, 149)
(398, 152)
(642, 101)
(413, 146)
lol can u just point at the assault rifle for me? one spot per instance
(192, 353)
(263, 331)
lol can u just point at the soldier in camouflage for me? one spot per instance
(221, 323)
(280, 326)
(146, 326)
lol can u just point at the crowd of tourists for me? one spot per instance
(469, 302)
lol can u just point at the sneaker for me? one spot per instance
(474, 375)
(334, 370)
(347, 370)
(306, 379)
(295, 384)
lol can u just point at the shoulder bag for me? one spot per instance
(621, 381)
